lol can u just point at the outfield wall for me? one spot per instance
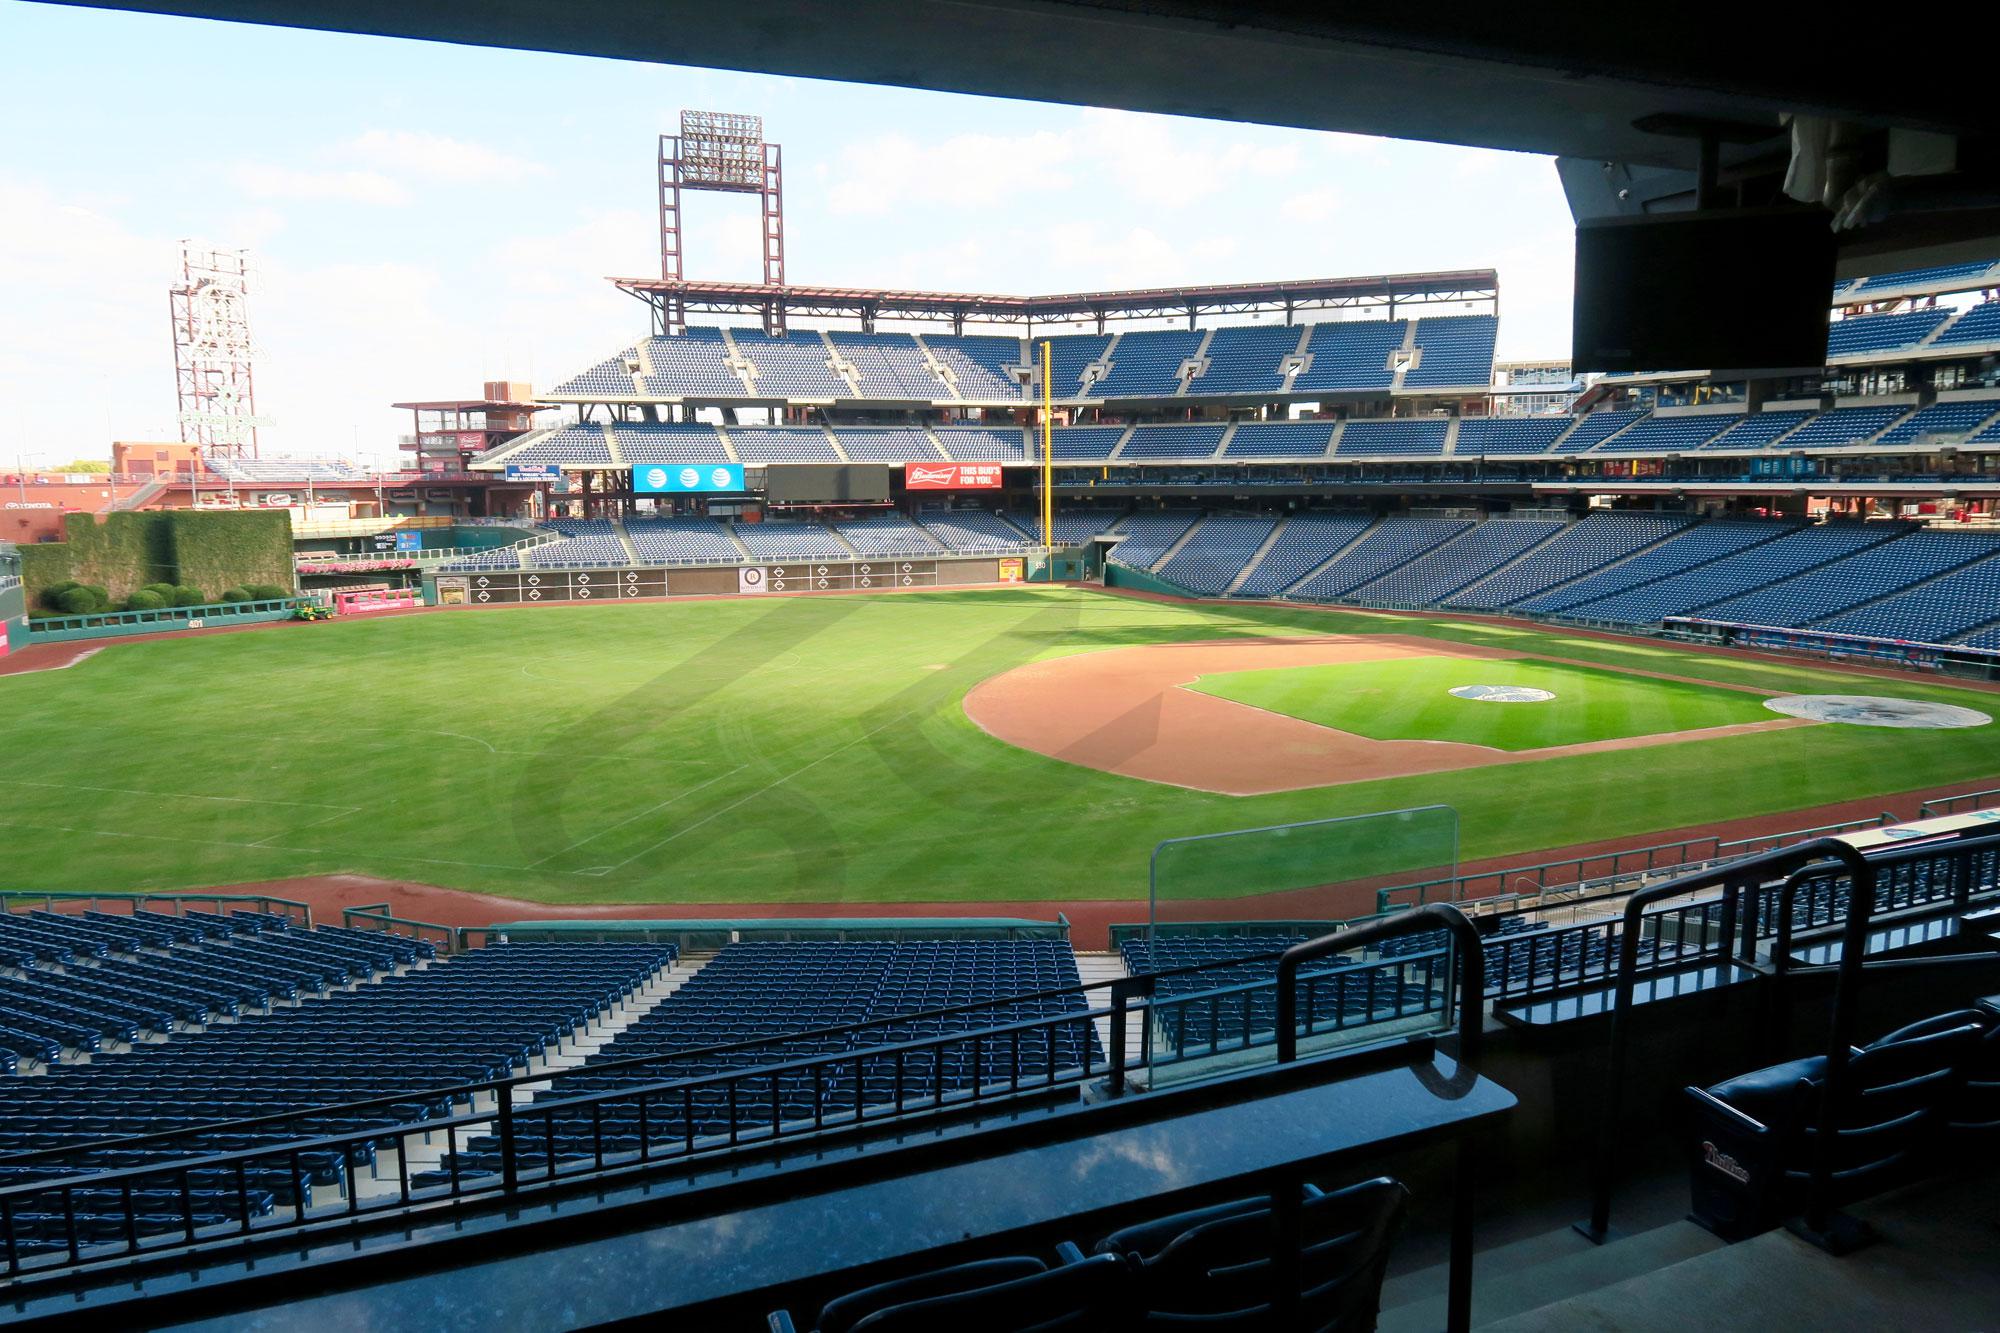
(618, 583)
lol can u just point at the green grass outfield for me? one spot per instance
(1410, 699)
(784, 749)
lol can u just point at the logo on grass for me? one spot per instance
(1502, 694)
(1874, 710)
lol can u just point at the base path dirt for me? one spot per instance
(1127, 711)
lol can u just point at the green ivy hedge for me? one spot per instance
(168, 552)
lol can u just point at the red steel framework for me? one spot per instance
(213, 377)
(725, 153)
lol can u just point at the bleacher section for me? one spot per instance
(246, 1015)
(1757, 430)
(1456, 352)
(580, 446)
(646, 444)
(1859, 578)
(798, 444)
(1069, 355)
(1351, 355)
(1073, 526)
(764, 993)
(1280, 439)
(1083, 443)
(1216, 552)
(1668, 435)
(982, 366)
(888, 365)
(973, 531)
(1437, 574)
(1733, 575)
(1307, 541)
(1980, 324)
(1950, 420)
(778, 540)
(986, 444)
(1593, 541)
(1246, 359)
(1411, 437)
(607, 379)
(1879, 333)
(1594, 429)
(1394, 541)
(1842, 426)
(689, 366)
(887, 534)
(1936, 612)
(1182, 443)
(1696, 545)
(1147, 364)
(586, 541)
(674, 540)
(1149, 536)
(790, 364)
(1480, 437)
(284, 470)
(885, 444)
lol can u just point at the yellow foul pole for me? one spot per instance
(1048, 452)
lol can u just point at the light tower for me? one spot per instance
(212, 351)
(719, 151)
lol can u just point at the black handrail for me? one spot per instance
(1469, 947)
(1120, 988)
(1732, 878)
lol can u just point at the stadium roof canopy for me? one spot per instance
(1568, 80)
(869, 304)
(1625, 88)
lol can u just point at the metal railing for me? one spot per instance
(1951, 805)
(304, 1170)
(377, 917)
(173, 904)
(1471, 1001)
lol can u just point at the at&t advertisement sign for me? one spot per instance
(683, 478)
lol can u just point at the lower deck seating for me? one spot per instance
(765, 999)
(245, 1015)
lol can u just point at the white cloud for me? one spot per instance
(264, 180)
(438, 157)
(1315, 205)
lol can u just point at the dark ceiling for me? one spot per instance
(1531, 77)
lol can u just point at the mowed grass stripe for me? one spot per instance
(1410, 699)
(473, 745)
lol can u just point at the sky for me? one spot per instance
(423, 217)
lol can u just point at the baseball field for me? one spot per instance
(982, 745)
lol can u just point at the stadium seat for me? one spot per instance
(1754, 1135)
(1078, 1295)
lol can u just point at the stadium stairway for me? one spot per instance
(1256, 556)
(427, 1152)
(1093, 968)
(1181, 541)
(1317, 569)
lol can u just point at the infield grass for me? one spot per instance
(1410, 699)
(777, 750)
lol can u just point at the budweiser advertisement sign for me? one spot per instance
(951, 477)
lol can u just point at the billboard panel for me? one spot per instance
(827, 483)
(951, 476)
(686, 478)
(533, 472)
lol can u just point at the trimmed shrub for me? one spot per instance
(164, 591)
(145, 600)
(186, 596)
(82, 600)
(266, 592)
(52, 595)
(235, 595)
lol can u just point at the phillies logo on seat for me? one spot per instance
(951, 476)
(1723, 1162)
